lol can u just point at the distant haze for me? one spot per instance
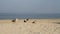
(29, 6)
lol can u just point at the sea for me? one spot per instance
(23, 16)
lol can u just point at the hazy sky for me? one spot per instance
(29, 6)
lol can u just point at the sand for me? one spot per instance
(40, 26)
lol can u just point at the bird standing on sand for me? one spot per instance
(26, 20)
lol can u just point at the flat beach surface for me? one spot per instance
(32, 26)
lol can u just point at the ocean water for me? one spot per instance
(13, 16)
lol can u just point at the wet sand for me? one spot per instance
(31, 26)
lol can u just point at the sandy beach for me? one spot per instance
(30, 26)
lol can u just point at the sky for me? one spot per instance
(30, 6)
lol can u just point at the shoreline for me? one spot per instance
(30, 20)
(27, 18)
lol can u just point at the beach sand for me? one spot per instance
(32, 26)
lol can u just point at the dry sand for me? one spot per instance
(40, 26)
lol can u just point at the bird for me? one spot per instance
(24, 20)
(13, 20)
(27, 19)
